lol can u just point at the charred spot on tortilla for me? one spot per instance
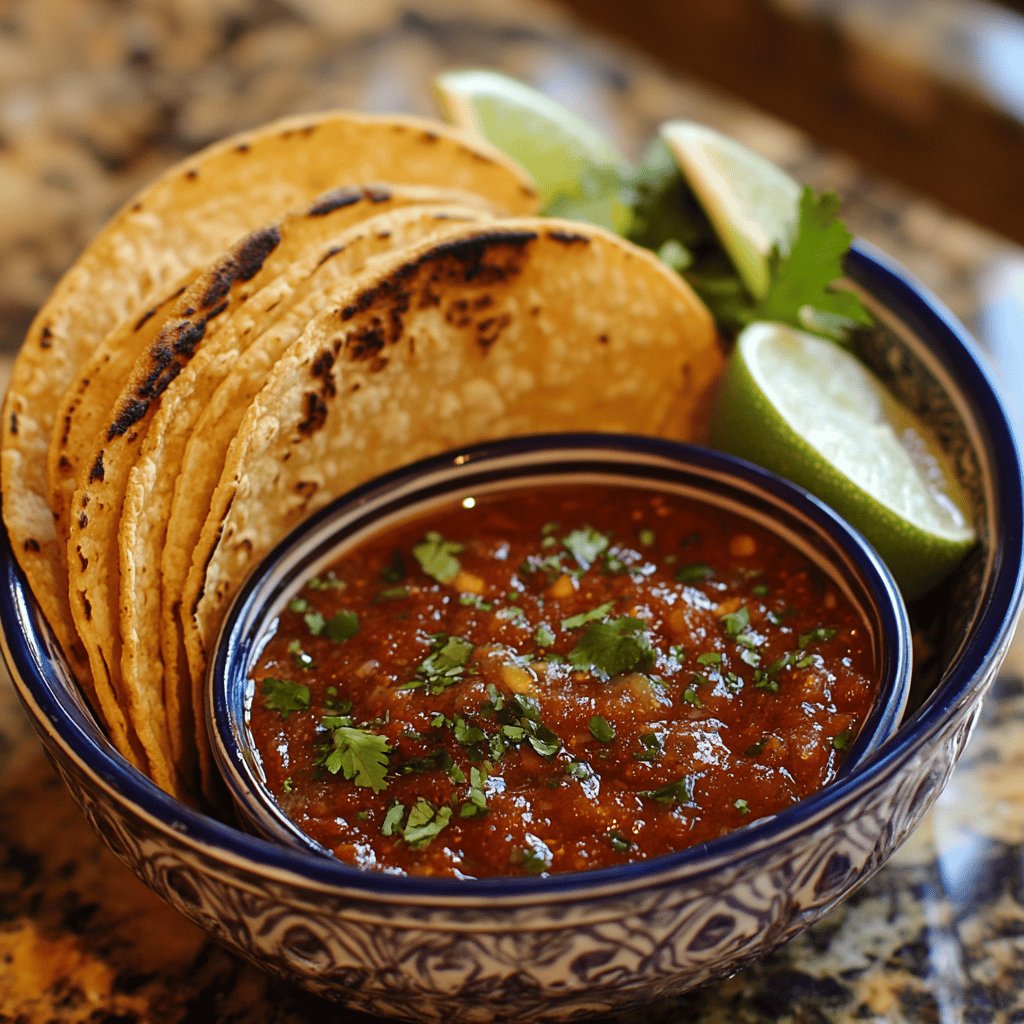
(14, 423)
(242, 147)
(46, 337)
(130, 414)
(489, 330)
(83, 520)
(568, 237)
(145, 318)
(96, 473)
(315, 413)
(323, 362)
(334, 250)
(31, 544)
(191, 174)
(336, 199)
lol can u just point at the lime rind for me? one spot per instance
(810, 411)
(751, 202)
(577, 170)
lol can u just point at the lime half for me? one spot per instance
(810, 411)
(751, 203)
(577, 171)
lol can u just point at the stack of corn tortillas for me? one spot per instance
(282, 317)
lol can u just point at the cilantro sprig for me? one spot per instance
(359, 755)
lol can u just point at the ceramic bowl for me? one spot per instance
(554, 948)
(716, 481)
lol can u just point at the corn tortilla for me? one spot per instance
(182, 221)
(228, 367)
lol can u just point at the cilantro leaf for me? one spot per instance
(804, 275)
(575, 621)
(444, 666)
(424, 823)
(671, 793)
(601, 729)
(585, 545)
(392, 819)
(361, 756)
(436, 557)
(617, 645)
(341, 626)
(284, 696)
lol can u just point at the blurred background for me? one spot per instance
(97, 95)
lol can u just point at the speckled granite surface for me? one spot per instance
(94, 97)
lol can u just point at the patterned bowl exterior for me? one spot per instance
(713, 479)
(558, 948)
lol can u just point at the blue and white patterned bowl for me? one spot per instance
(565, 946)
(714, 480)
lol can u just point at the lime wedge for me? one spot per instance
(751, 203)
(810, 411)
(578, 172)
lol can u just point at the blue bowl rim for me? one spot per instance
(488, 461)
(867, 268)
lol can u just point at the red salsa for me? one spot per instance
(555, 680)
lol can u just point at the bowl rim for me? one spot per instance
(142, 799)
(778, 505)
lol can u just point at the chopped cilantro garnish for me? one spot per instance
(618, 841)
(395, 593)
(394, 571)
(534, 859)
(444, 666)
(467, 734)
(475, 601)
(652, 748)
(393, 819)
(341, 626)
(710, 658)
(476, 798)
(284, 696)
(424, 823)
(543, 636)
(579, 770)
(288, 785)
(842, 740)
(601, 729)
(575, 621)
(436, 557)
(511, 613)
(328, 582)
(298, 605)
(694, 573)
(361, 756)
(759, 589)
(734, 623)
(814, 636)
(671, 793)
(742, 806)
(585, 545)
(646, 536)
(617, 645)
(691, 697)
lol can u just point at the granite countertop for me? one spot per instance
(93, 100)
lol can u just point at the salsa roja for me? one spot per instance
(554, 680)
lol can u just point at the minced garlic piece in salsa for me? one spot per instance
(555, 680)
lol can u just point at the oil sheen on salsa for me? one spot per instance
(553, 680)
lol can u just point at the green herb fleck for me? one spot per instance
(601, 729)
(842, 740)
(813, 636)
(328, 582)
(575, 621)
(299, 656)
(585, 545)
(646, 536)
(742, 806)
(671, 793)
(710, 658)
(393, 819)
(619, 843)
(436, 557)
(736, 622)
(543, 636)
(694, 573)
(609, 648)
(284, 696)
(298, 605)
(652, 748)
(425, 822)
